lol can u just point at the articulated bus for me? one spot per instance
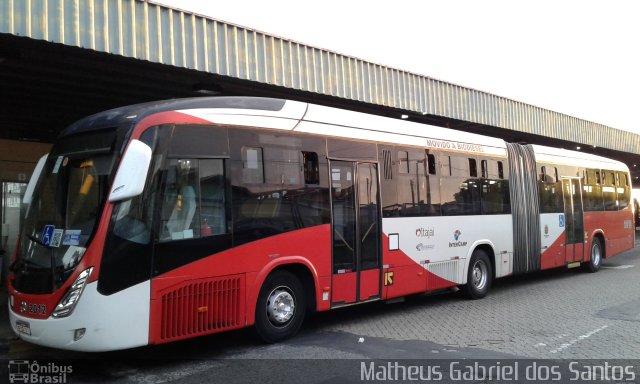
(164, 221)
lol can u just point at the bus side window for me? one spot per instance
(550, 189)
(623, 190)
(180, 201)
(193, 199)
(460, 192)
(494, 190)
(213, 220)
(609, 194)
(593, 191)
(417, 194)
(431, 159)
(252, 165)
(310, 167)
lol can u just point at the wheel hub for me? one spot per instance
(479, 275)
(280, 306)
(596, 254)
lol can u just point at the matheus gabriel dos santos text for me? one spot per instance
(498, 371)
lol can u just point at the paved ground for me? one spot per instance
(562, 314)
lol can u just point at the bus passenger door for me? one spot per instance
(573, 219)
(356, 232)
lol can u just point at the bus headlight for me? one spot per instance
(69, 301)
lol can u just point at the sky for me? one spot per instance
(581, 58)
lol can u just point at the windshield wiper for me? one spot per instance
(37, 241)
(53, 258)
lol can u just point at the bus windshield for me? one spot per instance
(64, 213)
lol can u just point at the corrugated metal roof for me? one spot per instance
(156, 33)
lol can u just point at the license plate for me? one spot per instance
(23, 327)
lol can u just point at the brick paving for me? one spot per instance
(552, 314)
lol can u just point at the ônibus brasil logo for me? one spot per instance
(457, 243)
(25, 371)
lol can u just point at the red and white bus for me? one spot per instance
(164, 221)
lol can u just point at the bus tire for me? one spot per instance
(479, 276)
(281, 307)
(595, 259)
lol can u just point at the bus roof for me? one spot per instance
(132, 114)
(316, 119)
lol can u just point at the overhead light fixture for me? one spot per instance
(206, 92)
(578, 147)
(207, 89)
(404, 117)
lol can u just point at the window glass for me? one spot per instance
(193, 201)
(623, 190)
(494, 190)
(459, 166)
(495, 197)
(294, 193)
(495, 169)
(445, 165)
(127, 256)
(179, 213)
(388, 185)
(311, 168)
(403, 161)
(344, 234)
(609, 193)
(387, 162)
(592, 191)
(550, 190)
(473, 168)
(213, 220)
(252, 165)
(418, 194)
(431, 159)
(284, 166)
(460, 193)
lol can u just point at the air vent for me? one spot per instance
(203, 306)
(447, 270)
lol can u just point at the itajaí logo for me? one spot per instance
(457, 243)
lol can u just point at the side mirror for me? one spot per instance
(132, 173)
(28, 193)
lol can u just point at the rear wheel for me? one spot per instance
(281, 307)
(479, 276)
(596, 256)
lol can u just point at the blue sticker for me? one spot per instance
(71, 237)
(561, 218)
(47, 234)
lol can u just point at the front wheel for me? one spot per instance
(281, 307)
(479, 276)
(596, 256)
